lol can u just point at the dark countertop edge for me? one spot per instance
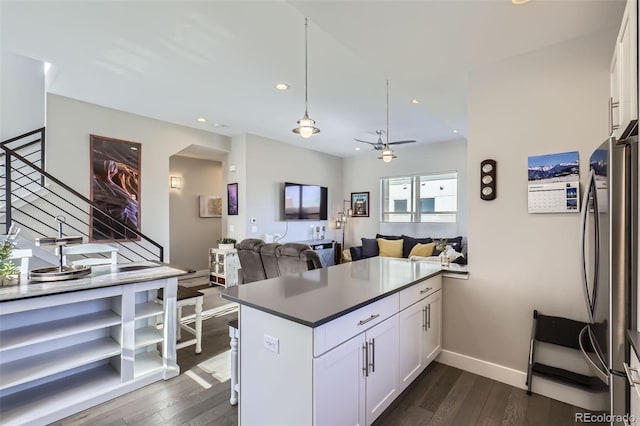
(633, 336)
(26, 296)
(329, 318)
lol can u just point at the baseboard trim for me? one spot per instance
(516, 378)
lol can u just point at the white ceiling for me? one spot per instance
(178, 60)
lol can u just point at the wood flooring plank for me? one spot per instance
(561, 414)
(474, 402)
(451, 404)
(422, 385)
(440, 389)
(495, 405)
(516, 410)
(538, 409)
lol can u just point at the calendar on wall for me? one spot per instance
(554, 183)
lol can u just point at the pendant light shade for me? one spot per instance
(306, 126)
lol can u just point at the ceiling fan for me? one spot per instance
(379, 146)
(385, 147)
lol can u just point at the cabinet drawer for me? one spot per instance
(419, 291)
(341, 329)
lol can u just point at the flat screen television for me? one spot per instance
(304, 202)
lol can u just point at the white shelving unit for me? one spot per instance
(60, 354)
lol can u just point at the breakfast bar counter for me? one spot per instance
(336, 345)
(68, 345)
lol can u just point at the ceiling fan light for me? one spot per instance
(387, 155)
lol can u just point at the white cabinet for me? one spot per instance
(223, 267)
(420, 336)
(356, 381)
(624, 73)
(66, 352)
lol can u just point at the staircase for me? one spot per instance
(32, 199)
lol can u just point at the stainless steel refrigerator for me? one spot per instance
(609, 261)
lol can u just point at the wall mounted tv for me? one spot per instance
(304, 202)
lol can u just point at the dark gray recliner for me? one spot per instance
(250, 260)
(269, 260)
(296, 257)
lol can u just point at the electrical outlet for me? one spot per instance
(271, 343)
(254, 228)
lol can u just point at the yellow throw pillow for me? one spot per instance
(423, 250)
(390, 248)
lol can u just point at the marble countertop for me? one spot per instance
(315, 297)
(101, 276)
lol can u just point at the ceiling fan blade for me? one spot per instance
(370, 143)
(400, 142)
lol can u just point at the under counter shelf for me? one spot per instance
(46, 331)
(35, 367)
(148, 336)
(42, 403)
(147, 362)
(148, 309)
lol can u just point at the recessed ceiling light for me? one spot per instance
(201, 120)
(455, 131)
(415, 101)
(357, 148)
(219, 125)
(519, 1)
(282, 86)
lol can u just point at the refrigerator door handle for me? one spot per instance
(601, 373)
(589, 298)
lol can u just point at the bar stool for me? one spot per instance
(188, 297)
(234, 334)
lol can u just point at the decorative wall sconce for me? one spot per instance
(176, 182)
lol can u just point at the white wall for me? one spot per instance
(69, 124)
(269, 164)
(192, 235)
(548, 101)
(22, 100)
(362, 173)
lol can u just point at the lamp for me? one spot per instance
(306, 126)
(176, 182)
(343, 216)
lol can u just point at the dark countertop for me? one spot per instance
(315, 297)
(101, 276)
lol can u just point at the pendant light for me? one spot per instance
(387, 152)
(306, 126)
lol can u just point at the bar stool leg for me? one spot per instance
(199, 301)
(234, 365)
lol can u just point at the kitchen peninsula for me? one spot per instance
(69, 345)
(336, 345)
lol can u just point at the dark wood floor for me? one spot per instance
(442, 395)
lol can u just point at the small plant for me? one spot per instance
(441, 245)
(226, 240)
(7, 267)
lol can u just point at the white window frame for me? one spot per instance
(415, 212)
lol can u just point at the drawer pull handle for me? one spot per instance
(372, 364)
(365, 356)
(371, 318)
(426, 290)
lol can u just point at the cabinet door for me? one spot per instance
(627, 63)
(413, 330)
(339, 384)
(433, 341)
(382, 381)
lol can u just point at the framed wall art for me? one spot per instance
(114, 189)
(232, 199)
(210, 206)
(360, 204)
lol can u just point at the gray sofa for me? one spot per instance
(259, 261)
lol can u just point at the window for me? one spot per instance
(422, 198)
